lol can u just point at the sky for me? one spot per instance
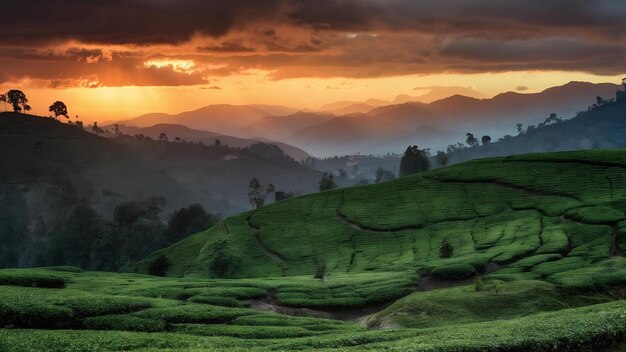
(114, 59)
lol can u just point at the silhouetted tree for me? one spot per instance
(18, 100)
(442, 158)
(96, 129)
(327, 181)
(520, 128)
(455, 147)
(414, 160)
(163, 136)
(177, 139)
(58, 108)
(471, 140)
(553, 118)
(140, 137)
(3, 99)
(486, 140)
(279, 195)
(218, 143)
(257, 193)
(383, 175)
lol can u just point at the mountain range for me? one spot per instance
(380, 127)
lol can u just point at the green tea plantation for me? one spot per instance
(522, 253)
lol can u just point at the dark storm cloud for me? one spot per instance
(307, 38)
(141, 22)
(174, 21)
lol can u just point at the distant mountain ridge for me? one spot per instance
(389, 128)
(207, 137)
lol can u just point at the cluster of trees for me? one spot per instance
(550, 120)
(414, 160)
(257, 193)
(19, 103)
(327, 181)
(91, 240)
(383, 175)
(17, 99)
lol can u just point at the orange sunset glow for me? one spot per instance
(300, 54)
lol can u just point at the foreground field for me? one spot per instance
(120, 312)
(508, 254)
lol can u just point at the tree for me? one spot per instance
(471, 140)
(442, 158)
(258, 193)
(18, 100)
(218, 143)
(58, 108)
(383, 175)
(3, 99)
(280, 195)
(414, 160)
(189, 220)
(327, 181)
(96, 129)
(486, 140)
(520, 128)
(159, 266)
(163, 136)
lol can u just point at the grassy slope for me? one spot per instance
(557, 217)
(552, 223)
(129, 312)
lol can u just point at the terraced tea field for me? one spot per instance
(519, 253)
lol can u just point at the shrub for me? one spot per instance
(223, 261)
(446, 250)
(124, 323)
(454, 272)
(159, 266)
(320, 268)
(30, 278)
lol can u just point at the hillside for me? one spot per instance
(58, 180)
(531, 216)
(390, 128)
(206, 137)
(602, 127)
(519, 253)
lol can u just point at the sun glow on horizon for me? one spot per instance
(255, 87)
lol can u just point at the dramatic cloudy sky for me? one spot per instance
(114, 58)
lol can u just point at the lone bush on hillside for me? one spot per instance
(223, 261)
(446, 250)
(320, 268)
(159, 266)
